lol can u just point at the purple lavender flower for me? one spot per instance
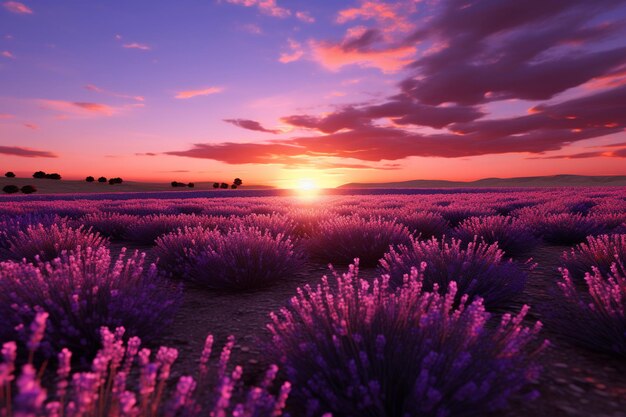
(563, 228)
(174, 249)
(479, 269)
(38, 242)
(242, 259)
(511, 235)
(600, 252)
(82, 291)
(596, 317)
(361, 348)
(338, 240)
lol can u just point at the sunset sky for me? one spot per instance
(281, 91)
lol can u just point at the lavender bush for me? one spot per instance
(511, 235)
(595, 318)
(337, 240)
(174, 249)
(599, 252)
(362, 349)
(479, 269)
(128, 380)
(82, 291)
(565, 228)
(146, 229)
(456, 213)
(112, 225)
(307, 220)
(424, 224)
(274, 223)
(11, 225)
(243, 258)
(49, 242)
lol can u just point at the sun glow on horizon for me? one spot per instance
(306, 184)
(306, 187)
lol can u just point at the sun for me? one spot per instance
(306, 184)
(306, 188)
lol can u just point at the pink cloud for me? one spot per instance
(251, 125)
(268, 7)
(296, 52)
(78, 108)
(391, 16)
(8, 54)
(25, 152)
(135, 45)
(618, 153)
(17, 7)
(242, 153)
(96, 89)
(31, 126)
(5, 116)
(201, 92)
(335, 56)
(305, 17)
(251, 28)
(95, 108)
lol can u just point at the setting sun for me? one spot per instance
(306, 185)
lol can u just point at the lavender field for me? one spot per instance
(381, 304)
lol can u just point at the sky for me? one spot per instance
(289, 92)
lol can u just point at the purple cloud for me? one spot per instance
(251, 125)
(25, 152)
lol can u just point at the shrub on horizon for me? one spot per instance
(362, 349)
(90, 179)
(338, 240)
(242, 259)
(594, 318)
(511, 234)
(102, 179)
(39, 174)
(599, 252)
(11, 189)
(53, 176)
(82, 291)
(111, 389)
(479, 269)
(48, 242)
(28, 189)
(9, 174)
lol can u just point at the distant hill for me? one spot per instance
(544, 181)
